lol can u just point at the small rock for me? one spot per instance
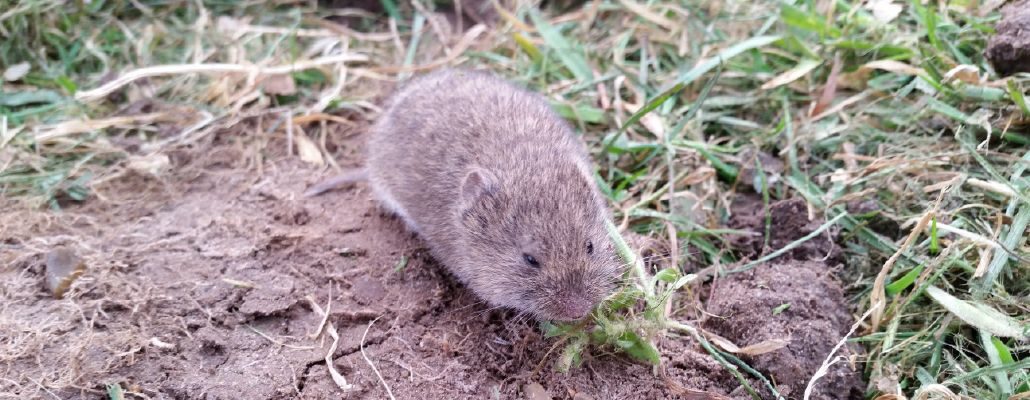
(62, 268)
(536, 391)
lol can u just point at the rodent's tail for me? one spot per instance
(337, 181)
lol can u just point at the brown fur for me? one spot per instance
(486, 172)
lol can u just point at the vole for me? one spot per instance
(498, 186)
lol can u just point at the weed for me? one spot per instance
(886, 104)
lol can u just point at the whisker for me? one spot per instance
(465, 307)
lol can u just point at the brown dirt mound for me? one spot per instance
(788, 221)
(794, 297)
(1009, 48)
(813, 318)
(197, 287)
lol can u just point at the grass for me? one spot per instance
(674, 98)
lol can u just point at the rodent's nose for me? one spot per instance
(574, 308)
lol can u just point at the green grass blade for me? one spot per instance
(694, 108)
(949, 111)
(580, 112)
(391, 9)
(812, 22)
(665, 95)
(1017, 96)
(935, 246)
(531, 50)
(569, 55)
(706, 65)
(1001, 377)
(905, 281)
(1004, 354)
(725, 171)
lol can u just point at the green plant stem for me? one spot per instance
(715, 354)
(786, 248)
(747, 368)
(631, 258)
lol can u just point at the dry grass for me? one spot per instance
(878, 121)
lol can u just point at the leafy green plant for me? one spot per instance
(619, 322)
(631, 319)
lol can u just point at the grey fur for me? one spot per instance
(485, 172)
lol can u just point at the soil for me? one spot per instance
(201, 284)
(794, 300)
(787, 221)
(1009, 48)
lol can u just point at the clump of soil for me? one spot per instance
(787, 222)
(1009, 48)
(796, 300)
(793, 297)
(200, 285)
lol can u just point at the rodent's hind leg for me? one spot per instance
(390, 205)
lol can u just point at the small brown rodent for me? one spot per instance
(500, 189)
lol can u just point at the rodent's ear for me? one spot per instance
(477, 183)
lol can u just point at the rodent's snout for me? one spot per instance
(575, 293)
(573, 308)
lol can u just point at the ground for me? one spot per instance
(1009, 49)
(826, 168)
(202, 285)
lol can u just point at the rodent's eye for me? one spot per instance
(590, 247)
(530, 260)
